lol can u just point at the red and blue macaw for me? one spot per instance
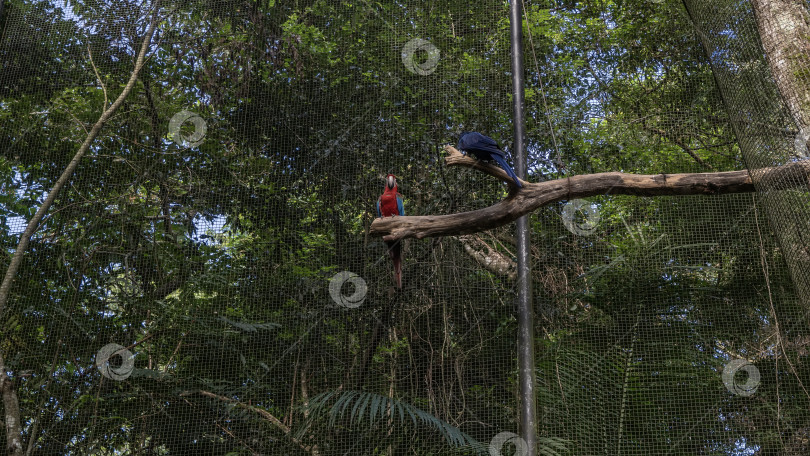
(389, 205)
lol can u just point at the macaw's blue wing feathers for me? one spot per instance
(485, 140)
(379, 211)
(400, 207)
(474, 140)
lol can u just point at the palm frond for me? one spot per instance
(369, 409)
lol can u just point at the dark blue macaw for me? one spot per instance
(485, 148)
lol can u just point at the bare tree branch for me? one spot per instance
(260, 411)
(488, 257)
(98, 76)
(536, 195)
(679, 142)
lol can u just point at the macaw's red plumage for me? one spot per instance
(389, 205)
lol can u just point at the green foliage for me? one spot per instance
(213, 262)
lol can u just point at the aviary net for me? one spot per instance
(199, 181)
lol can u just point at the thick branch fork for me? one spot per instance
(536, 195)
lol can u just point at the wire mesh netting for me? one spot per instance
(202, 276)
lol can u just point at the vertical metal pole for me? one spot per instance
(525, 342)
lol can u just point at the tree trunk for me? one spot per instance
(784, 29)
(11, 408)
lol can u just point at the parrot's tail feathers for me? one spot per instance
(396, 256)
(507, 168)
(398, 271)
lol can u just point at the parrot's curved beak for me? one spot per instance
(392, 181)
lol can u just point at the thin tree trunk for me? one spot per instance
(628, 366)
(9, 393)
(391, 388)
(11, 406)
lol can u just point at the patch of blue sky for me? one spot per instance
(208, 231)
